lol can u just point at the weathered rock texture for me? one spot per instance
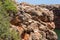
(56, 10)
(34, 22)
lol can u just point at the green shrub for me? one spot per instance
(5, 32)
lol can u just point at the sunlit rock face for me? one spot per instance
(56, 11)
(34, 22)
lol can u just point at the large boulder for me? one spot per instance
(34, 22)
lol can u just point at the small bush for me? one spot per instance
(5, 33)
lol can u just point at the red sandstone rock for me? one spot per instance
(34, 22)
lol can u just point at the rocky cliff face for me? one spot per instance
(56, 10)
(35, 22)
(57, 17)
